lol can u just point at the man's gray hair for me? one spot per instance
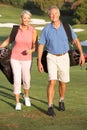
(26, 12)
(53, 7)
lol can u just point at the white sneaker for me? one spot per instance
(18, 106)
(27, 101)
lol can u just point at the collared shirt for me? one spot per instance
(55, 39)
(23, 42)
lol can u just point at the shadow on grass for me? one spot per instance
(5, 94)
(40, 109)
(39, 100)
(3, 87)
(10, 104)
(37, 107)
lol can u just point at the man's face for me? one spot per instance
(54, 15)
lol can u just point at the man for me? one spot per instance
(55, 40)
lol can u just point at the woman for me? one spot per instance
(21, 57)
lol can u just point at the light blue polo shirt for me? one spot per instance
(55, 40)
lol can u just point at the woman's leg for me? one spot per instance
(26, 68)
(16, 68)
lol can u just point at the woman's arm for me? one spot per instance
(34, 42)
(5, 43)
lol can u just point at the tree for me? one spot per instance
(80, 15)
(16, 3)
(76, 3)
(45, 4)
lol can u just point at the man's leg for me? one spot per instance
(62, 90)
(51, 92)
(50, 96)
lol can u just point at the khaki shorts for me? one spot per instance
(58, 67)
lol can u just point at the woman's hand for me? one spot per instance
(30, 51)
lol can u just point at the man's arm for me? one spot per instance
(78, 45)
(40, 52)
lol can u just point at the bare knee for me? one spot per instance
(52, 83)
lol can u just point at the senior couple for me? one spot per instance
(54, 39)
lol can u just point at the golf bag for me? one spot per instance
(5, 54)
(73, 53)
(5, 64)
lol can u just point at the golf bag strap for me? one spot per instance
(13, 33)
(68, 32)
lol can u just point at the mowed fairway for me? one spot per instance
(35, 117)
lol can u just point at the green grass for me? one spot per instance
(12, 15)
(34, 117)
(82, 35)
(9, 14)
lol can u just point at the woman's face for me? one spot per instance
(25, 19)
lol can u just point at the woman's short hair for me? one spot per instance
(26, 12)
(53, 7)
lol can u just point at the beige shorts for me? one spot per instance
(58, 67)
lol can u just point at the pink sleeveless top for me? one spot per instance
(23, 42)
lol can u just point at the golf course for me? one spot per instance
(35, 117)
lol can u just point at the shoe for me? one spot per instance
(51, 112)
(61, 106)
(27, 101)
(18, 106)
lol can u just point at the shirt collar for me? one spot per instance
(53, 26)
(21, 27)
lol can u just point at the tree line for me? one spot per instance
(75, 8)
